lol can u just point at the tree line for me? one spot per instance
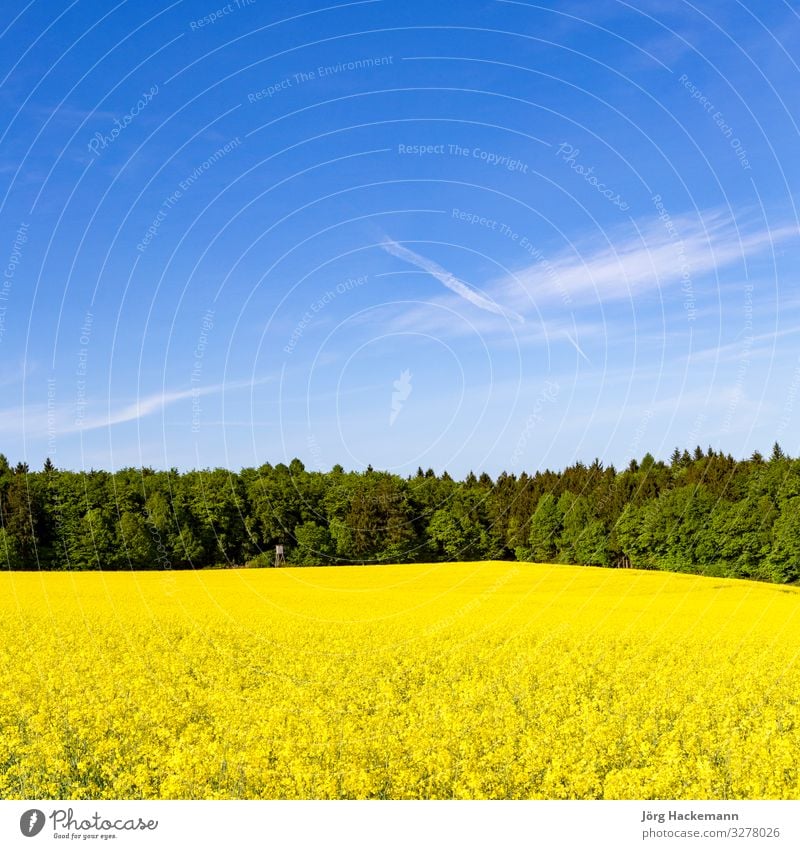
(701, 512)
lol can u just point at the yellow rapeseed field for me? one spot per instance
(470, 680)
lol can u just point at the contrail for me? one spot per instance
(451, 281)
(577, 347)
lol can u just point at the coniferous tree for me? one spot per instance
(777, 453)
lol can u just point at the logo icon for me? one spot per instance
(402, 389)
(31, 822)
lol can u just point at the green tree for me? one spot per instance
(380, 519)
(546, 526)
(457, 537)
(626, 536)
(783, 561)
(9, 556)
(95, 545)
(137, 542)
(674, 530)
(591, 545)
(741, 534)
(314, 545)
(23, 516)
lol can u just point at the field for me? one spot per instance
(470, 680)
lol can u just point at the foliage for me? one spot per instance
(703, 512)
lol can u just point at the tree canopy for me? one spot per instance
(701, 512)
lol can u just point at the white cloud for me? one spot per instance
(36, 420)
(644, 259)
(654, 255)
(463, 290)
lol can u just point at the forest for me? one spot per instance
(702, 512)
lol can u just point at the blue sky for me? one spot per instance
(484, 235)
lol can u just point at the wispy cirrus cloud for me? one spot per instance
(654, 254)
(650, 255)
(679, 254)
(39, 420)
(143, 407)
